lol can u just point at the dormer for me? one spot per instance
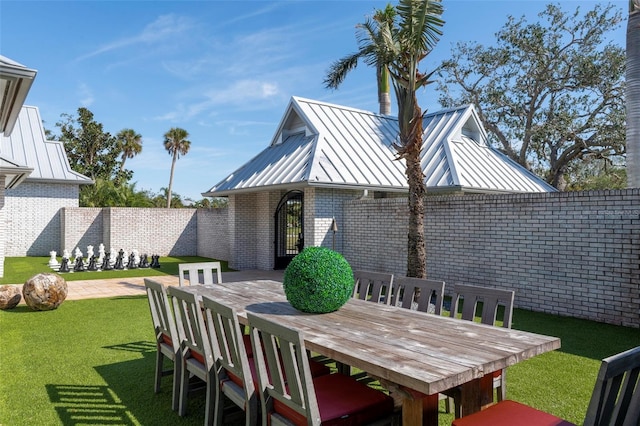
(294, 123)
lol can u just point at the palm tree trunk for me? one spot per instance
(173, 165)
(633, 97)
(416, 248)
(384, 90)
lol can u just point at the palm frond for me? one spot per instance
(339, 70)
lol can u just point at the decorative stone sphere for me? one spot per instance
(9, 296)
(44, 292)
(318, 280)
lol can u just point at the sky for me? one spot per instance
(224, 71)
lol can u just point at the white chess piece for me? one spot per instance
(77, 253)
(65, 254)
(100, 253)
(89, 251)
(53, 262)
(136, 257)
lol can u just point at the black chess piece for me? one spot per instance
(106, 262)
(64, 265)
(79, 265)
(155, 261)
(144, 261)
(119, 260)
(132, 262)
(92, 264)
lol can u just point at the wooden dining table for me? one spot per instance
(414, 354)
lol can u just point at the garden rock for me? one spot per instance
(44, 292)
(9, 296)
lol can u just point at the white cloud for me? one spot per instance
(86, 95)
(165, 27)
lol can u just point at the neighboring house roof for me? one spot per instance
(325, 145)
(15, 82)
(28, 146)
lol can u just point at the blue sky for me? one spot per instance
(223, 70)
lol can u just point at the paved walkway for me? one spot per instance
(91, 289)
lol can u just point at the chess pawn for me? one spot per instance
(79, 265)
(132, 263)
(100, 253)
(53, 262)
(144, 262)
(64, 266)
(136, 256)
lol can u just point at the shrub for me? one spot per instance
(318, 280)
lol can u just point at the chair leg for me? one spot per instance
(177, 375)
(159, 365)
(210, 404)
(184, 391)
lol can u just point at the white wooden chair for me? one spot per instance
(167, 343)
(372, 286)
(195, 350)
(466, 302)
(199, 273)
(290, 395)
(615, 400)
(233, 372)
(418, 294)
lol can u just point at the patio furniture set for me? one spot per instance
(252, 348)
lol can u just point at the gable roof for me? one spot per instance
(28, 146)
(325, 145)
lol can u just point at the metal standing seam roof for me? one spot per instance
(15, 82)
(28, 146)
(320, 144)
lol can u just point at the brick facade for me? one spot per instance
(575, 253)
(32, 217)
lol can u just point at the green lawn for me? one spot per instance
(91, 362)
(19, 269)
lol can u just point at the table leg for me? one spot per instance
(419, 409)
(476, 395)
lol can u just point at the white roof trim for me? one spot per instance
(15, 82)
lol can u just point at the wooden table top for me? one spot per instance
(423, 352)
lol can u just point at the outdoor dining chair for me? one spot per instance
(232, 365)
(467, 300)
(211, 273)
(418, 294)
(195, 349)
(167, 344)
(615, 400)
(290, 395)
(372, 286)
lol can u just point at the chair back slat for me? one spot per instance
(283, 370)
(190, 324)
(230, 354)
(490, 298)
(372, 286)
(616, 395)
(418, 294)
(161, 314)
(206, 273)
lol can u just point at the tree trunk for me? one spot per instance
(416, 249)
(633, 99)
(173, 164)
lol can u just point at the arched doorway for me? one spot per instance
(289, 228)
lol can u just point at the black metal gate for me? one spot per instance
(289, 228)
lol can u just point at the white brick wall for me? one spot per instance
(33, 217)
(3, 230)
(574, 254)
(213, 233)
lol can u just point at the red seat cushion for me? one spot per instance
(511, 413)
(343, 401)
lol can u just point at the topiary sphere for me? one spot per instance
(318, 280)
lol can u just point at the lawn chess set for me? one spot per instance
(103, 261)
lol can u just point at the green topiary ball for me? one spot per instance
(318, 280)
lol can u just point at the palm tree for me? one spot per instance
(369, 30)
(399, 46)
(633, 95)
(130, 143)
(176, 143)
